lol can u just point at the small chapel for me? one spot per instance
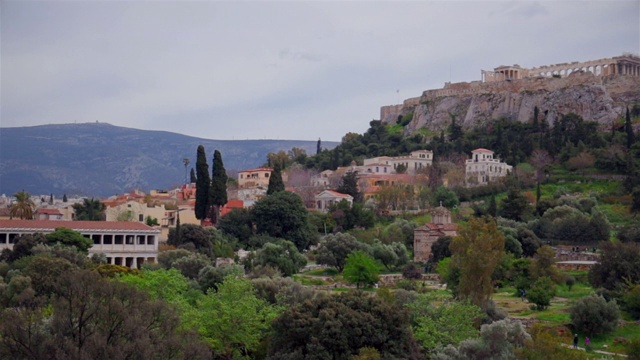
(424, 236)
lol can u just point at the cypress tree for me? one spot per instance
(493, 207)
(203, 184)
(51, 199)
(275, 181)
(318, 147)
(178, 230)
(193, 176)
(628, 128)
(218, 191)
(64, 198)
(536, 124)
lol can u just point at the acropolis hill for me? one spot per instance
(597, 90)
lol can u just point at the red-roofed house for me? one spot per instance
(328, 197)
(124, 243)
(425, 236)
(48, 214)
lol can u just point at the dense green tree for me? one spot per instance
(444, 197)
(438, 323)
(541, 292)
(282, 255)
(24, 244)
(90, 209)
(283, 215)
(23, 207)
(440, 249)
(218, 190)
(492, 209)
(233, 320)
(194, 234)
(337, 327)
(594, 315)
(237, 223)
(627, 233)
(515, 206)
(192, 176)
(90, 318)
(203, 185)
(64, 198)
(70, 237)
(348, 216)
(476, 252)
(318, 146)
(619, 265)
(349, 185)
(275, 180)
(334, 249)
(361, 269)
(210, 277)
(283, 291)
(190, 266)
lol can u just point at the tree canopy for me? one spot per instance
(90, 209)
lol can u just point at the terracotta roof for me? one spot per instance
(481, 150)
(48, 211)
(50, 225)
(337, 194)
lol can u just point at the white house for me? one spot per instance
(328, 197)
(413, 162)
(483, 168)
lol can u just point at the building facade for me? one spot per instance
(483, 168)
(413, 162)
(327, 198)
(425, 236)
(123, 243)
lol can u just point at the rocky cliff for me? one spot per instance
(595, 98)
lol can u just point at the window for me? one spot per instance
(266, 175)
(140, 217)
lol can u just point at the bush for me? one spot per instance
(594, 315)
(541, 292)
(632, 302)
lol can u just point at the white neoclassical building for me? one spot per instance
(124, 243)
(483, 168)
(413, 162)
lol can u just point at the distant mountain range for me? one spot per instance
(99, 159)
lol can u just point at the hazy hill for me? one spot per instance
(102, 159)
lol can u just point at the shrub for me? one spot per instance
(594, 315)
(541, 292)
(632, 302)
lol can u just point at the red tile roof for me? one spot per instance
(50, 225)
(48, 211)
(337, 194)
(481, 150)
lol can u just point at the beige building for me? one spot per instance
(254, 178)
(124, 243)
(134, 211)
(425, 236)
(413, 162)
(483, 168)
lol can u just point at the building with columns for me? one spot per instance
(625, 64)
(124, 243)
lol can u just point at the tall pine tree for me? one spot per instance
(218, 190)
(203, 184)
(193, 176)
(275, 181)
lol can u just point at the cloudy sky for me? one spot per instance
(276, 70)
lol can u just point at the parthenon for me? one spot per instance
(625, 64)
